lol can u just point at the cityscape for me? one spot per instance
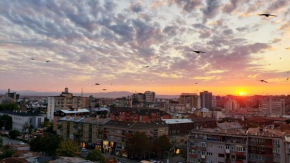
(145, 81)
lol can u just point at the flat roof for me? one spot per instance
(75, 111)
(18, 113)
(177, 121)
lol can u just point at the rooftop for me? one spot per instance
(136, 125)
(177, 121)
(75, 111)
(19, 113)
(91, 120)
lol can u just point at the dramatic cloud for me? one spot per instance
(140, 44)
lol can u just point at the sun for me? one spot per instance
(242, 93)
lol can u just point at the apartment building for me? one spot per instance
(206, 100)
(137, 114)
(65, 101)
(273, 106)
(20, 118)
(237, 146)
(88, 132)
(149, 96)
(231, 104)
(189, 100)
(118, 132)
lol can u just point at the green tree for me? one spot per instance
(25, 127)
(46, 143)
(9, 106)
(67, 148)
(1, 142)
(6, 121)
(14, 133)
(164, 144)
(96, 155)
(138, 145)
(7, 152)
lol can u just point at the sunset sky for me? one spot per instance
(112, 42)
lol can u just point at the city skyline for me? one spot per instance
(137, 46)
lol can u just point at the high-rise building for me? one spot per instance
(190, 100)
(206, 100)
(149, 96)
(12, 95)
(273, 107)
(231, 105)
(65, 101)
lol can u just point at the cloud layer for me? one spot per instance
(113, 42)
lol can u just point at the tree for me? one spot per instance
(138, 145)
(25, 127)
(96, 155)
(9, 106)
(46, 143)
(164, 144)
(6, 121)
(7, 152)
(67, 148)
(14, 133)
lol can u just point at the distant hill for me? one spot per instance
(98, 94)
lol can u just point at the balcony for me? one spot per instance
(228, 151)
(202, 156)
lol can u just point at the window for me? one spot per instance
(192, 151)
(209, 153)
(202, 152)
(208, 161)
(240, 148)
(221, 147)
(203, 144)
(221, 155)
(227, 147)
(233, 148)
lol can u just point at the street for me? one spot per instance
(14, 143)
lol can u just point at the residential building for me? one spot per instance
(273, 106)
(231, 104)
(204, 113)
(149, 97)
(62, 113)
(137, 114)
(118, 132)
(20, 118)
(232, 146)
(65, 101)
(88, 132)
(206, 100)
(189, 100)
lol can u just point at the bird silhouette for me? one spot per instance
(146, 66)
(263, 81)
(197, 51)
(288, 48)
(266, 15)
(32, 59)
(97, 84)
(287, 78)
(104, 89)
(47, 61)
(280, 57)
(195, 83)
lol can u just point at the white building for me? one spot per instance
(65, 101)
(20, 118)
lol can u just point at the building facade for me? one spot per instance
(65, 101)
(149, 97)
(20, 118)
(206, 100)
(190, 100)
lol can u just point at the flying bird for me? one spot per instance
(280, 57)
(47, 61)
(146, 66)
(32, 59)
(266, 15)
(288, 48)
(197, 51)
(263, 81)
(195, 83)
(97, 84)
(104, 89)
(287, 78)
